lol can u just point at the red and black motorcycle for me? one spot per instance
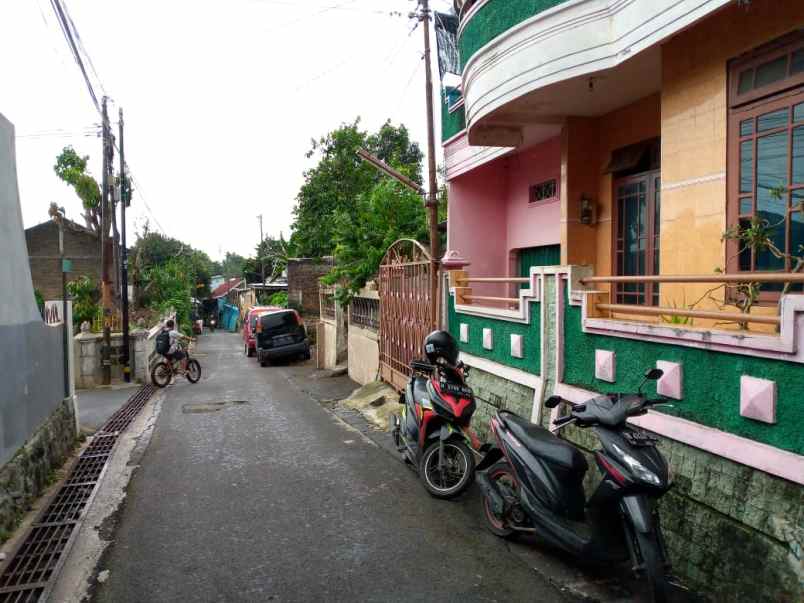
(433, 430)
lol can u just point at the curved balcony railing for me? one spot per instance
(484, 20)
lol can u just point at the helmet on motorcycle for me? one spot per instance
(440, 344)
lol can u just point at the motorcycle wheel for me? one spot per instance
(459, 472)
(193, 371)
(161, 374)
(653, 566)
(500, 472)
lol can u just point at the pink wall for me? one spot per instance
(538, 224)
(489, 215)
(477, 222)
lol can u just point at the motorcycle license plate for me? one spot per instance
(640, 438)
(456, 390)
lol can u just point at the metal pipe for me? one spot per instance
(508, 300)
(489, 279)
(721, 316)
(742, 277)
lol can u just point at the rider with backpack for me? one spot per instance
(168, 344)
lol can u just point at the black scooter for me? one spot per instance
(533, 483)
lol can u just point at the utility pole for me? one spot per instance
(60, 217)
(124, 201)
(262, 259)
(106, 248)
(432, 196)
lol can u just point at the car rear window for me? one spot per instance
(278, 319)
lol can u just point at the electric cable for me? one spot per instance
(65, 27)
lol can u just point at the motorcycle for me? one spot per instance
(532, 483)
(212, 325)
(433, 432)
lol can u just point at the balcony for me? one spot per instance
(528, 63)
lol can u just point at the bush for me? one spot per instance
(84, 293)
(279, 299)
(40, 301)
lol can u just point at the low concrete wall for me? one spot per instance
(88, 347)
(364, 355)
(30, 470)
(326, 345)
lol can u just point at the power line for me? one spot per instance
(81, 45)
(68, 34)
(311, 16)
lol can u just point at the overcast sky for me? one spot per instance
(221, 100)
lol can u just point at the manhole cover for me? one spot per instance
(210, 406)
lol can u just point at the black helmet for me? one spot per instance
(440, 344)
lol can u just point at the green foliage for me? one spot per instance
(271, 255)
(331, 189)
(390, 211)
(153, 250)
(72, 169)
(170, 286)
(758, 237)
(40, 300)
(232, 265)
(279, 299)
(85, 295)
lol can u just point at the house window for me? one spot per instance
(543, 191)
(766, 154)
(636, 243)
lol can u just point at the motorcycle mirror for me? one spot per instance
(553, 401)
(654, 374)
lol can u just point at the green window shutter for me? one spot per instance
(546, 255)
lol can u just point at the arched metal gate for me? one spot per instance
(404, 308)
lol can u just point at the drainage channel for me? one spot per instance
(31, 572)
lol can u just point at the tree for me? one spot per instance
(231, 266)
(154, 250)
(340, 177)
(389, 212)
(72, 169)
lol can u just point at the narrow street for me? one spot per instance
(271, 497)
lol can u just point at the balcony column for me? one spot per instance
(580, 179)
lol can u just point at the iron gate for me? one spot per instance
(404, 308)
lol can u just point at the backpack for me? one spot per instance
(163, 342)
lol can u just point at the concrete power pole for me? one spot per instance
(124, 201)
(106, 248)
(262, 259)
(432, 196)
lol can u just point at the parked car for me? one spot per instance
(281, 334)
(249, 326)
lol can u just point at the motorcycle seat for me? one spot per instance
(545, 445)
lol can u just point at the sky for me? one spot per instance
(221, 99)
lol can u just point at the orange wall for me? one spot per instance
(587, 145)
(694, 127)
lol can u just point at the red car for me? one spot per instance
(249, 326)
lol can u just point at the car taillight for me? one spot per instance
(299, 320)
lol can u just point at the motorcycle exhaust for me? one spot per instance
(490, 491)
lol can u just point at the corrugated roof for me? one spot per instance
(223, 289)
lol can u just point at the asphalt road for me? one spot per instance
(272, 498)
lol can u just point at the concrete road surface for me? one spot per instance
(250, 490)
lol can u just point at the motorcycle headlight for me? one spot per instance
(639, 470)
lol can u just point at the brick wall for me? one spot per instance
(303, 275)
(80, 246)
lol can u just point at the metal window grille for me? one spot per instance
(543, 191)
(365, 312)
(327, 305)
